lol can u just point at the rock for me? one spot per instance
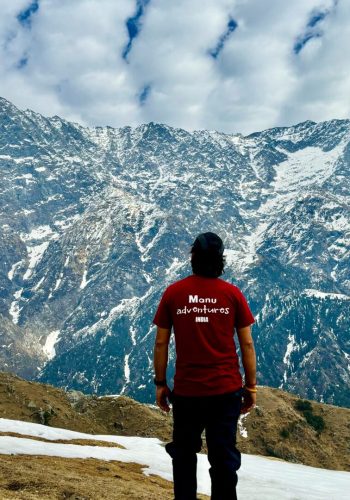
(75, 397)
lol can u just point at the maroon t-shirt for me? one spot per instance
(204, 313)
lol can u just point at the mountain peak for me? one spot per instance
(6, 107)
(96, 222)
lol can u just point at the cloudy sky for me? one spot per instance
(228, 65)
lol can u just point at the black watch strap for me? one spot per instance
(160, 383)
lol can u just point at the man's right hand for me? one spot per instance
(162, 397)
(249, 400)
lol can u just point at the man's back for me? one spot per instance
(204, 313)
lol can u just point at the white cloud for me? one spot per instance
(322, 91)
(171, 54)
(75, 66)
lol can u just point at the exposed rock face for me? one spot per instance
(96, 222)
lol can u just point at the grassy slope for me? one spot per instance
(46, 477)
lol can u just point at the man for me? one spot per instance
(204, 311)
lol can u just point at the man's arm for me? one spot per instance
(160, 365)
(249, 364)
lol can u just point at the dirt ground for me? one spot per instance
(37, 478)
(29, 477)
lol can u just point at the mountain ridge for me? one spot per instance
(91, 218)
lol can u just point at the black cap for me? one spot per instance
(208, 242)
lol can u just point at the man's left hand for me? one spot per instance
(162, 396)
(249, 401)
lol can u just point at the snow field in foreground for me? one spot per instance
(259, 477)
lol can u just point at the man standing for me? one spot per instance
(204, 312)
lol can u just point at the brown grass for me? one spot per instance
(82, 442)
(36, 478)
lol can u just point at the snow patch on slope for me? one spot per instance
(291, 346)
(12, 271)
(15, 310)
(35, 254)
(260, 478)
(84, 281)
(311, 292)
(307, 166)
(51, 340)
(241, 428)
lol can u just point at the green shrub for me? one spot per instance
(284, 433)
(315, 421)
(271, 452)
(47, 417)
(303, 405)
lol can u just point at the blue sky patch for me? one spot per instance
(316, 18)
(22, 62)
(25, 16)
(312, 30)
(302, 41)
(231, 26)
(133, 25)
(144, 94)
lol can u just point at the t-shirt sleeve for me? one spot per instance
(244, 316)
(163, 317)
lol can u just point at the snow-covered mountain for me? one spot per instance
(96, 222)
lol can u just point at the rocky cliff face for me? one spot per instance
(96, 222)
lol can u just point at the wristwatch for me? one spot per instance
(160, 383)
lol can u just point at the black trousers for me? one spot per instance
(218, 415)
